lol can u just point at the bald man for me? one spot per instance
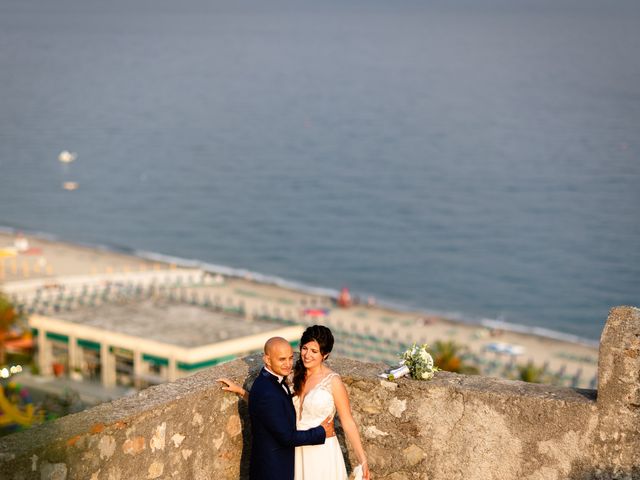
(273, 417)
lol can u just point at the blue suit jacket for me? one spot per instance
(273, 430)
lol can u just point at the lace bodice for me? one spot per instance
(317, 404)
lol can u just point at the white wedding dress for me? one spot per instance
(318, 462)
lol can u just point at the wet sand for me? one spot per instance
(44, 258)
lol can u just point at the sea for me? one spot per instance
(473, 158)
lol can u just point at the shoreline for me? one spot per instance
(298, 287)
(572, 360)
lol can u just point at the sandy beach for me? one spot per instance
(29, 257)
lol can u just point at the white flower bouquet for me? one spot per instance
(416, 361)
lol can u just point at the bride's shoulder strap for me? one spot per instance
(327, 380)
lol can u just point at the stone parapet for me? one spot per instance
(617, 445)
(453, 427)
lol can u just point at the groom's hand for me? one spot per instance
(327, 424)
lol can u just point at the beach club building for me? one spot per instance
(138, 344)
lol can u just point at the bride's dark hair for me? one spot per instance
(324, 337)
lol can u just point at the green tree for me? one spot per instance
(531, 373)
(448, 355)
(8, 316)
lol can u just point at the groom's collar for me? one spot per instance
(279, 377)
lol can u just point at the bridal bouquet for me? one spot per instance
(416, 361)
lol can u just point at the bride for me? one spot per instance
(318, 392)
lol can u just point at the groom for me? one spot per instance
(273, 418)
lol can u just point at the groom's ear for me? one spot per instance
(266, 360)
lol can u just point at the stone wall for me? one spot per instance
(453, 427)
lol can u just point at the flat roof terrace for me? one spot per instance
(168, 322)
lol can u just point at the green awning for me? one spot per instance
(155, 360)
(206, 363)
(88, 344)
(58, 337)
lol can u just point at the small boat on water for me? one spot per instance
(67, 156)
(70, 186)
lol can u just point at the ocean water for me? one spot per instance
(477, 158)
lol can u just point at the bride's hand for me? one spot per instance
(231, 386)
